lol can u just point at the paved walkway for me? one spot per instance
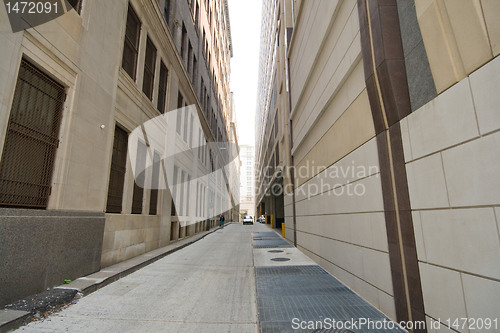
(208, 286)
(238, 279)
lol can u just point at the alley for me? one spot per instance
(237, 279)
(206, 287)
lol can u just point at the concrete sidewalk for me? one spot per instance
(12, 319)
(206, 287)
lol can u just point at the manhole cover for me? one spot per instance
(280, 259)
(275, 251)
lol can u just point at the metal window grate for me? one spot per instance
(31, 140)
(180, 103)
(140, 178)
(162, 88)
(117, 174)
(131, 47)
(155, 182)
(149, 69)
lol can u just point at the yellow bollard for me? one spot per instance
(283, 228)
(272, 222)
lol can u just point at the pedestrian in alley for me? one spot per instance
(222, 220)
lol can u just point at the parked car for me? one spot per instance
(247, 219)
(261, 219)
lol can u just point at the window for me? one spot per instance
(174, 191)
(202, 91)
(76, 4)
(186, 118)
(162, 88)
(117, 173)
(197, 197)
(204, 44)
(149, 69)
(131, 47)
(203, 200)
(140, 177)
(189, 61)
(166, 10)
(191, 132)
(31, 140)
(155, 184)
(182, 184)
(195, 71)
(188, 184)
(197, 15)
(210, 16)
(179, 114)
(184, 42)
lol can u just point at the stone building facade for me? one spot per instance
(247, 181)
(392, 116)
(71, 92)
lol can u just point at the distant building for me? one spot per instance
(247, 191)
(72, 92)
(388, 114)
(234, 173)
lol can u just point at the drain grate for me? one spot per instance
(280, 259)
(308, 293)
(275, 251)
(264, 234)
(276, 242)
(271, 246)
(324, 330)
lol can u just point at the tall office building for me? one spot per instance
(388, 113)
(79, 96)
(247, 187)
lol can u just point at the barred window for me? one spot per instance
(131, 47)
(155, 182)
(140, 177)
(117, 172)
(149, 69)
(179, 113)
(166, 10)
(31, 140)
(173, 211)
(162, 89)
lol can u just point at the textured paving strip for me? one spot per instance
(267, 240)
(307, 292)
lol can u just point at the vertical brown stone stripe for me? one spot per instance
(388, 93)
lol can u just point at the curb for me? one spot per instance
(13, 319)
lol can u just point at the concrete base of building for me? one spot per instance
(42, 248)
